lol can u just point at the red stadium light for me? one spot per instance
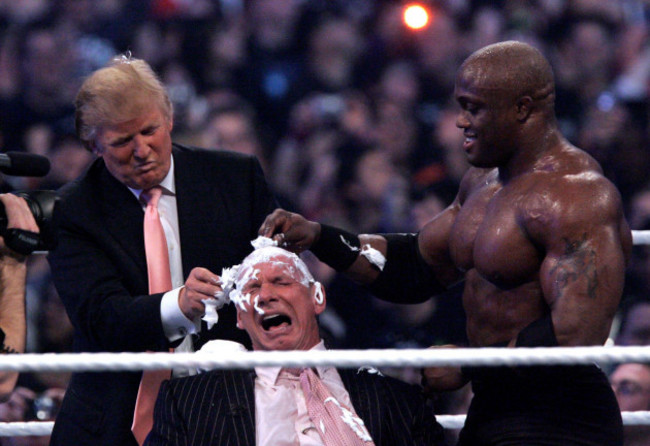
(416, 16)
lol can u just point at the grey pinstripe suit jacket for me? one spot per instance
(218, 408)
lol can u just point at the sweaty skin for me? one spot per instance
(535, 227)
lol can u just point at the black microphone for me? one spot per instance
(24, 164)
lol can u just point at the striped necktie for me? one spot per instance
(337, 424)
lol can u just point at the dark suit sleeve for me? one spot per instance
(101, 276)
(168, 426)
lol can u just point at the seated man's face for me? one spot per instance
(280, 312)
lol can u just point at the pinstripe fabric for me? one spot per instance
(206, 409)
(218, 408)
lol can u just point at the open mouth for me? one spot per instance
(275, 321)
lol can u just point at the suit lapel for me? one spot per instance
(191, 221)
(199, 222)
(364, 395)
(123, 217)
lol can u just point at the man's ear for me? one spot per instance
(524, 108)
(92, 146)
(318, 294)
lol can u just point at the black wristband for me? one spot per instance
(406, 277)
(336, 247)
(539, 333)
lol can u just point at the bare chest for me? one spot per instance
(489, 236)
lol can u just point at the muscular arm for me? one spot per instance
(421, 263)
(417, 266)
(582, 275)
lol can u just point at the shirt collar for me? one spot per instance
(270, 374)
(168, 184)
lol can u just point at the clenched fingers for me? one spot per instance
(292, 231)
(201, 284)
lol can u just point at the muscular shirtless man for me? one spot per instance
(539, 236)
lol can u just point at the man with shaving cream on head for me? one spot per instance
(539, 237)
(277, 303)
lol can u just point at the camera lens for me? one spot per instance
(44, 408)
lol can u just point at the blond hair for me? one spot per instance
(124, 89)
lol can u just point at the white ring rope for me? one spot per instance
(641, 237)
(629, 419)
(79, 362)
(431, 357)
(340, 358)
(26, 429)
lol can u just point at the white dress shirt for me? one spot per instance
(175, 324)
(281, 417)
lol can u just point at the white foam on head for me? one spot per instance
(240, 300)
(247, 271)
(275, 255)
(262, 242)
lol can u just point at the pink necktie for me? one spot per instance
(155, 246)
(337, 424)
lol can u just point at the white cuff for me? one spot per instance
(175, 324)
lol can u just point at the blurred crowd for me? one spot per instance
(349, 111)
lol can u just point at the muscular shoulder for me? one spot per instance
(571, 197)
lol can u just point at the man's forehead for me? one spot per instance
(272, 259)
(265, 256)
(275, 265)
(482, 77)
